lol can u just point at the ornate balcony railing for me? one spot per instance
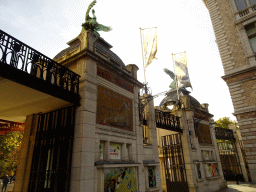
(167, 121)
(24, 58)
(224, 134)
(244, 12)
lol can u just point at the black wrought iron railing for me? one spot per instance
(168, 121)
(22, 57)
(224, 134)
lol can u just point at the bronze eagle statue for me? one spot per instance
(91, 22)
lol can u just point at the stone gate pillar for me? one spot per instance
(203, 167)
(240, 157)
(26, 154)
(150, 146)
(187, 149)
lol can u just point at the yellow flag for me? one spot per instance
(149, 38)
(181, 69)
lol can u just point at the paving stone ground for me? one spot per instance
(9, 187)
(232, 187)
(242, 187)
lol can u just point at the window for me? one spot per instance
(151, 177)
(101, 148)
(115, 151)
(251, 32)
(252, 2)
(199, 175)
(127, 152)
(240, 4)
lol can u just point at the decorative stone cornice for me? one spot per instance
(249, 69)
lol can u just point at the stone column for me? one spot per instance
(151, 150)
(26, 154)
(214, 142)
(139, 148)
(83, 171)
(187, 151)
(240, 157)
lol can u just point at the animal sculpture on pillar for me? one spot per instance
(173, 84)
(91, 22)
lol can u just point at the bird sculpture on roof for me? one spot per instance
(173, 84)
(91, 22)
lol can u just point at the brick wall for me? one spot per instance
(227, 37)
(239, 75)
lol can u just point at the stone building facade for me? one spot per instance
(107, 147)
(108, 135)
(234, 24)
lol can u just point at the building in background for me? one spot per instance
(234, 24)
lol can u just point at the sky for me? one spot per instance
(182, 25)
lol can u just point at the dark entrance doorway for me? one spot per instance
(174, 164)
(51, 163)
(228, 154)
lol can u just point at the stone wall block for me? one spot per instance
(236, 96)
(247, 122)
(88, 131)
(87, 159)
(76, 159)
(248, 145)
(87, 172)
(88, 144)
(244, 130)
(77, 144)
(75, 173)
(87, 185)
(89, 105)
(74, 186)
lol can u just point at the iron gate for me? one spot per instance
(229, 161)
(228, 154)
(174, 165)
(51, 163)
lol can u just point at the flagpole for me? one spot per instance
(175, 77)
(143, 58)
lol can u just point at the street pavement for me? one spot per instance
(232, 187)
(9, 187)
(242, 187)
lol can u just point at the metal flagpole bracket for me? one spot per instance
(143, 101)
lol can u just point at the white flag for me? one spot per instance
(181, 69)
(149, 38)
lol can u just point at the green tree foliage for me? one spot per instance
(225, 122)
(9, 149)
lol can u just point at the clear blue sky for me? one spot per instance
(182, 25)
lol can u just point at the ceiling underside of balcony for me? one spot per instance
(18, 101)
